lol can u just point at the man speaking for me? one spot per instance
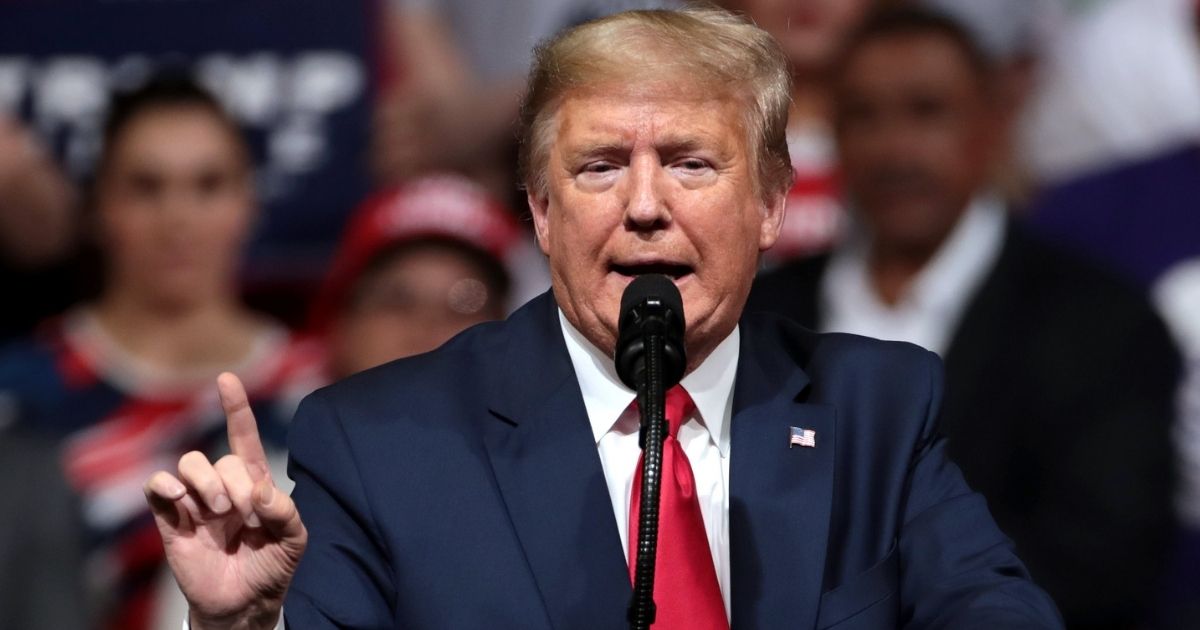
(493, 483)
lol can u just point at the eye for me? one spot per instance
(928, 108)
(145, 185)
(211, 183)
(598, 167)
(858, 111)
(692, 166)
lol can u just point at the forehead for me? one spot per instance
(172, 136)
(657, 113)
(908, 61)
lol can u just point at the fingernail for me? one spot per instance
(252, 520)
(221, 504)
(176, 490)
(266, 494)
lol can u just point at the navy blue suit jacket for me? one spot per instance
(463, 489)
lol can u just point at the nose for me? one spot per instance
(895, 136)
(646, 208)
(175, 210)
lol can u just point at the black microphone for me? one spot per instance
(650, 358)
(650, 305)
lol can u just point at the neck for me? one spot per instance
(893, 269)
(179, 337)
(699, 350)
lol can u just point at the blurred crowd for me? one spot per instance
(295, 191)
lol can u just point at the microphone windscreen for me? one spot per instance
(651, 303)
(651, 285)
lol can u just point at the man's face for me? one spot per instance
(413, 302)
(809, 31)
(648, 179)
(916, 137)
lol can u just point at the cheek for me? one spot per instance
(858, 149)
(361, 342)
(125, 232)
(953, 158)
(375, 334)
(226, 226)
(728, 243)
(578, 235)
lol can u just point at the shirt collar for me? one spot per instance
(962, 262)
(605, 397)
(940, 291)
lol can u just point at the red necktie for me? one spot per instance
(686, 592)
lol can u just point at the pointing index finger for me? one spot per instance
(241, 426)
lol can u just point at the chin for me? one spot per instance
(179, 296)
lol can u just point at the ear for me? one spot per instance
(773, 208)
(539, 207)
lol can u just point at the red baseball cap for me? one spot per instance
(442, 206)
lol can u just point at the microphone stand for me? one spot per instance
(651, 402)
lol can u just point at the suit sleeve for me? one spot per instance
(344, 578)
(958, 570)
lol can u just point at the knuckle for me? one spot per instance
(228, 463)
(199, 474)
(154, 482)
(192, 460)
(157, 477)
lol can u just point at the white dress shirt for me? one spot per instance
(704, 435)
(929, 311)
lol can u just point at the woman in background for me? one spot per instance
(125, 381)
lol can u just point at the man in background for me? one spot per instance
(810, 32)
(1059, 378)
(418, 264)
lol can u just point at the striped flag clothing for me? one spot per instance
(118, 421)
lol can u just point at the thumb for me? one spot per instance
(279, 516)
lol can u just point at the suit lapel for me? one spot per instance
(548, 471)
(780, 496)
(973, 347)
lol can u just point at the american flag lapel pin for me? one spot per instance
(799, 436)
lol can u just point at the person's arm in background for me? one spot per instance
(41, 539)
(38, 219)
(437, 114)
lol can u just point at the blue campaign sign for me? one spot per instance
(298, 75)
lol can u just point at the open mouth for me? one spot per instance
(674, 271)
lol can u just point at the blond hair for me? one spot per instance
(711, 48)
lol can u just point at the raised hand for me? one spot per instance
(232, 538)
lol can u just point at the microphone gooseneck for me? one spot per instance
(650, 358)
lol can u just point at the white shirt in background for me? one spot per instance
(929, 311)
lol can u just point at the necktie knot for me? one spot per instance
(678, 407)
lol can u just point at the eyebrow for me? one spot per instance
(687, 144)
(600, 149)
(671, 145)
